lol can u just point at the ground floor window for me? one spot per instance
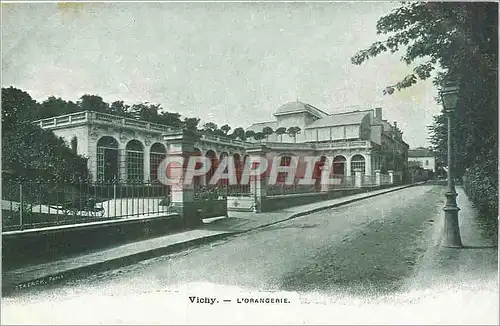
(358, 162)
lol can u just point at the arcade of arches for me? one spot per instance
(139, 163)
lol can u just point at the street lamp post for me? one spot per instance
(449, 96)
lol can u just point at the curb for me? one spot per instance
(161, 251)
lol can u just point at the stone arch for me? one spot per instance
(222, 155)
(211, 151)
(156, 155)
(317, 172)
(339, 165)
(198, 180)
(134, 153)
(212, 155)
(358, 161)
(107, 158)
(238, 165)
(285, 160)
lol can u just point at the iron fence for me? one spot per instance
(30, 204)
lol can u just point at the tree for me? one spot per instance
(17, 106)
(293, 132)
(93, 103)
(280, 131)
(249, 134)
(225, 129)
(56, 106)
(191, 123)
(239, 133)
(459, 41)
(29, 151)
(170, 119)
(259, 136)
(119, 108)
(267, 131)
(210, 127)
(146, 111)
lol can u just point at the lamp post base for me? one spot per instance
(451, 236)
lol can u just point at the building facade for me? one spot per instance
(359, 139)
(423, 158)
(129, 149)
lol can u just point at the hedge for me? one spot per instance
(481, 183)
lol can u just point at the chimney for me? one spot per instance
(396, 124)
(378, 113)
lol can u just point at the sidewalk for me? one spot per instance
(214, 229)
(472, 269)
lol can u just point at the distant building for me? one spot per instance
(422, 157)
(356, 139)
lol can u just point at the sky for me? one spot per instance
(233, 63)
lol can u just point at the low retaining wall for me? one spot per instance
(20, 248)
(272, 203)
(240, 204)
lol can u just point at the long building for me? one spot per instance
(129, 149)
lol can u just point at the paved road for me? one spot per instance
(365, 250)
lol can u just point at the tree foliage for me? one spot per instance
(451, 40)
(280, 131)
(29, 151)
(239, 133)
(293, 132)
(267, 131)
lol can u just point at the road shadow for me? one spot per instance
(479, 247)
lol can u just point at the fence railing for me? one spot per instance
(216, 192)
(35, 204)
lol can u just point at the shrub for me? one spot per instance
(481, 183)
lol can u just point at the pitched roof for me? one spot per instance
(340, 119)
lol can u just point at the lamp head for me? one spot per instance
(449, 95)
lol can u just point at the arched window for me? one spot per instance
(107, 159)
(156, 156)
(286, 160)
(339, 165)
(135, 161)
(215, 163)
(224, 182)
(357, 162)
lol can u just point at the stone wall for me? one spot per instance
(20, 248)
